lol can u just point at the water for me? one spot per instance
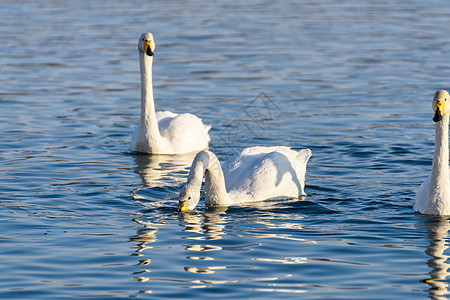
(82, 217)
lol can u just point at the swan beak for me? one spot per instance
(183, 206)
(149, 47)
(439, 107)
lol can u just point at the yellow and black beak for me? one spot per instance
(439, 108)
(149, 47)
(183, 206)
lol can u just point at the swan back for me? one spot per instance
(260, 173)
(187, 132)
(257, 173)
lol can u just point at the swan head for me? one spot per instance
(440, 104)
(189, 198)
(146, 44)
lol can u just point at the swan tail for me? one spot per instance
(207, 127)
(304, 155)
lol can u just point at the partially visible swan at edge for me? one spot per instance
(433, 196)
(257, 173)
(163, 132)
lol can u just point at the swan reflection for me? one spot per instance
(144, 236)
(206, 226)
(199, 227)
(438, 234)
(163, 170)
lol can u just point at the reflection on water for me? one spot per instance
(204, 251)
(207, 226)
(203, 257)
(162, 177)
(158, 170)
(144, 236)
(438, 229)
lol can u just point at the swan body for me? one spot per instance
(255, 174)
(433, 196)
(163, 132)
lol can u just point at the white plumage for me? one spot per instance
(257, 173)
(163, 132)
(433, 196)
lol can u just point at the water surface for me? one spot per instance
(82, 217)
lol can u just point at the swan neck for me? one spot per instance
(215, 188)
(207, 164)
(148, 113)
(440, 170)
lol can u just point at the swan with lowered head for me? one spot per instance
(257, 173)
(433, 196)
(163, 132)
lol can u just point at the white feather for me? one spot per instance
(433, 196)
(257, 173)
(164, 132)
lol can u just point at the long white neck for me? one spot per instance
(149, 129)
(438, 189)
(206, 163)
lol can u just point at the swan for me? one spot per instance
(163, 132)
(255, 174)
(433, 196)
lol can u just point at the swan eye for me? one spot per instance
(189, 198)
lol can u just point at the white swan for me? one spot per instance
(163, 132)
(257, 173)
(433, 196)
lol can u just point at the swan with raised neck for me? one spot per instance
(163, 132)
(257, 173)
(433, 196)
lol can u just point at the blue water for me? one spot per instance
(82, 217)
